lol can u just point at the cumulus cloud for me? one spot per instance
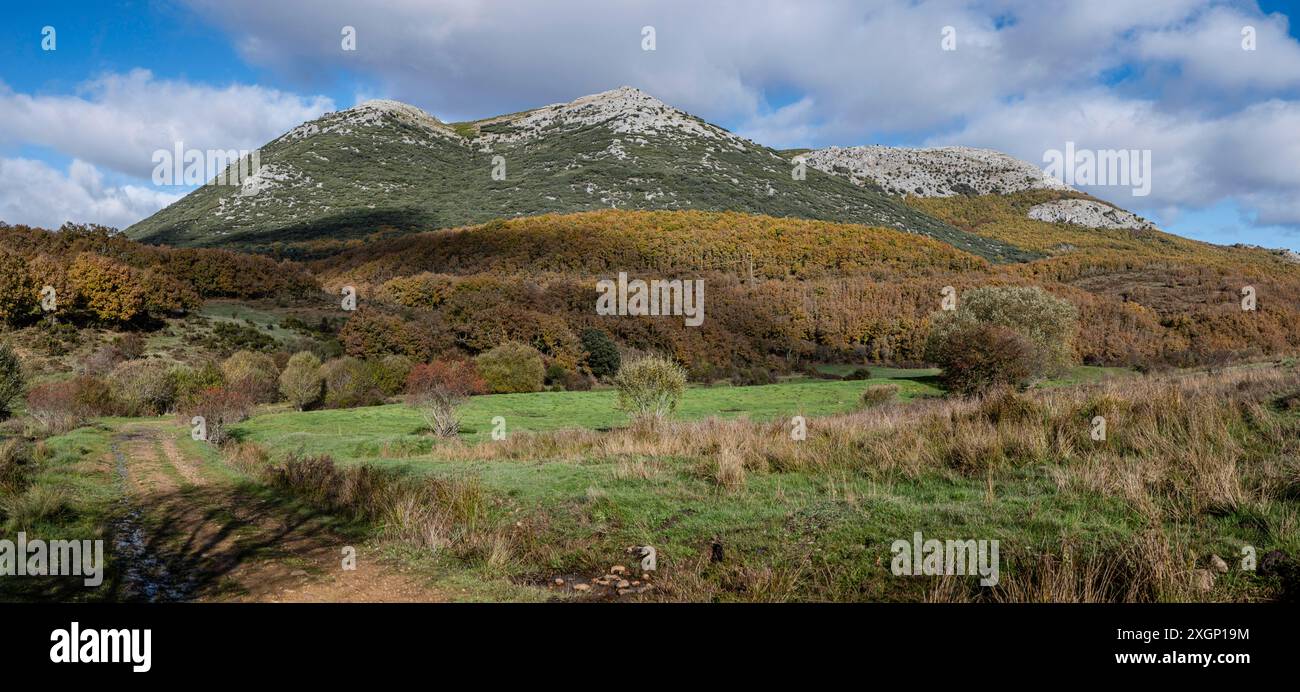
(35, 194)
(117, 121)
(1248, 155)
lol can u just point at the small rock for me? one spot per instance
(580, 587)
(1218, 565)
(559, 581)
(298, 573)
(623, 584)
(635, 583)
(1203, 579)
(618, 569)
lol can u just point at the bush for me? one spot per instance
(94, 397)
(15, 466)
(858, 374)
(979, 357)
(436, 389)
(301, 383)
(254, 373)
(143, 387)
(54, 407)
(189, 383)
(221, 407)
(1045, 324)
(754, 376)
(602, 354)
(12, 382)
(650, 388)
(389, 373)
(348, 384)
(511, 367)
(876, 395)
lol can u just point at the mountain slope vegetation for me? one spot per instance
(384, 165)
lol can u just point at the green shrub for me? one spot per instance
(189, 383)
(858, 374)
(511, 367)
(650, 388)
(389, 372)
(143, 387)
(253, 372)
(1002, 336)
(301, 383)
(12, 383)
(348, 384)
(603, 358)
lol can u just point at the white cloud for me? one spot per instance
(1248, 155)
(35, 194)
(117, 121)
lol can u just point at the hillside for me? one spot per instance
(384, 165)
(785, 291)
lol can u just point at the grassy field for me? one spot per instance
(354, 434)
(739, 512)
(805, 525)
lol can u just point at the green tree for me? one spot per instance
(511, 367)
(1003, 335)
(602, 355)
(301, 382)
(254, 373)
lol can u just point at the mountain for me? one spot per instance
(968, 171)
(385, 165)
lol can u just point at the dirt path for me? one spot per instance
(186, 533)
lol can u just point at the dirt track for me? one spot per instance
(187, 532)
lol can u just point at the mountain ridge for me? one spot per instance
(386, 165)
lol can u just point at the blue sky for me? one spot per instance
(78, 124)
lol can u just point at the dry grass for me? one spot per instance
(1172, 444)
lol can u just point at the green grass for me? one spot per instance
(359, 434)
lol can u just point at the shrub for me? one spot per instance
(389, 373)
(650, 388)
(436, 389)
(189, 383)
(348, 384)
(131, 345)
(978, 357)
(102, 360)
(53, 405)
(878, 394)
(753, 376)
(253, 372)
(15, 466)
(602, 354)
(94, 397)
(301, 383)
(221, 407)
(1046, 322)
(143, 387)
(858, 374)
(511, 367)
(12, 382)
